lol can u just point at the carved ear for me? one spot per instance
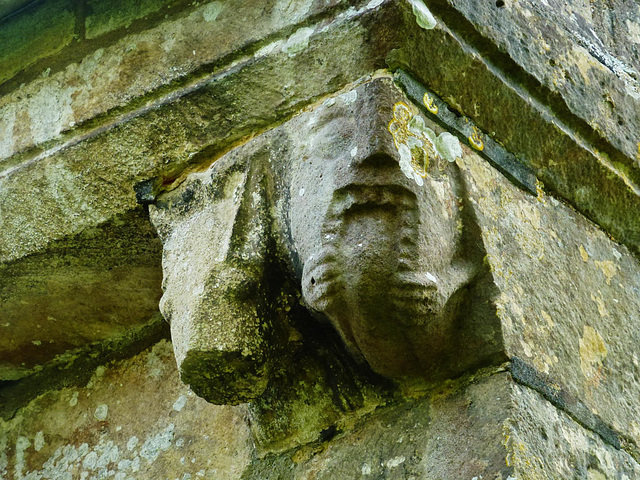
(214, 263)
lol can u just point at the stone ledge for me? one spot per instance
(509, 104)
(143, 66)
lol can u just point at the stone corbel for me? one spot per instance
(358, 204)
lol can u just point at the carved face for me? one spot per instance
(381, 245)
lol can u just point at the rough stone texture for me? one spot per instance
(134, 419)
(455, 434)
(585, 51)
(566, 294)
(569, 296)
(127, 115)
(543, 443)
(99, 173)
(143, 62)
(90, 288)
(104, 17)
(90, 184)
(29, 37)
(509, 104)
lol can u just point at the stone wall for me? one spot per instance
(393, 239)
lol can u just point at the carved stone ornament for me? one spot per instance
(355, 213)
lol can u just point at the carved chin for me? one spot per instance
(400, 328)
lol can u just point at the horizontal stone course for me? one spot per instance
(561, 45)
(115, 75)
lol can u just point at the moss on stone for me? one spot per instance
(35, 33)
(105, 17)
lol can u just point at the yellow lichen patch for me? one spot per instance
(602, 309)
(584, 254)
(519, 456)
(608, 269)
(417, 144)
(547, 318)
(540, 191)
(429, 103)
(593, 351)
(476, 139)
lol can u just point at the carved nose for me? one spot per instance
(378, 160)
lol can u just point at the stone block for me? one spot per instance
(508, 105)
(133, 419)
(35, 33)
(568, 295)
(90, 183)
(592, 64)
(91, 179)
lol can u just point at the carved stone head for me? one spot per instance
(378, 224)
(361, 206)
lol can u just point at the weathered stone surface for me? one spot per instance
(95, 286)
(483, 84)
(559, 46)
(33, 35)
(412, 439)
(491, 428)
(543, 442)
(569, 296)
(383, 251)
(134, 419)
(567, 315)
(97, 174)
(207, 38)
(74, 367)
(10, 7)
(104, 17)
(90, 184)
(313, 205)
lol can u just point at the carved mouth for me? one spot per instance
(357, 195)
(415, 298)
(323, 276)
